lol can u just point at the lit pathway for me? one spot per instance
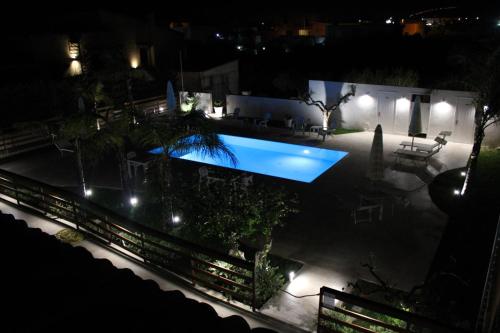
(119, 261)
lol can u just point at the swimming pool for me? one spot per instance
(283, 160)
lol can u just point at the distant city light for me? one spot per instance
(239, 47)
(263, 48)
(134, 201)
(429, 24)
(456, 192)
(88, 192)
(389, 21)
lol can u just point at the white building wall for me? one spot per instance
(254, 106)
(391, 106)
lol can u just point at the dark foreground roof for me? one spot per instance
(51, 286)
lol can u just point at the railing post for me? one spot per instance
(254, 291)
(17, 195)
(319, 309)
(106, 225)
(77, 220)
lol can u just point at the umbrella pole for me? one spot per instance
(412, 139)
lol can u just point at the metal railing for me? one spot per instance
(490, 300)
(340, 312)
(230, 276)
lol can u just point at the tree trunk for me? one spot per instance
(81, 173)
(471, 174)
(326, 116)
(124, 178)
(166, 193)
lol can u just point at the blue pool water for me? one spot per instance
(283, 160)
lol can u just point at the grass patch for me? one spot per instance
(485, 188)
(340, 131)
(69, 236)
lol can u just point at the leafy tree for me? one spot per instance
(223, 214)
(482, 77)
(387, 76)
(179, 134)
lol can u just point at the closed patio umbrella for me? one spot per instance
(376, 162)
(171, 103)
(415, 121)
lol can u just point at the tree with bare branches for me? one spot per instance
(327, 109)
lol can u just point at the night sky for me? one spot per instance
(231, 11)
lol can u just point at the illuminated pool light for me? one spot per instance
(277, 159)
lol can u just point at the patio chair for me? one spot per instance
(263, 122)
(204, 176)
(324, 132)
(62, 145)
(299, 124)
(234, 115)
(369, 207)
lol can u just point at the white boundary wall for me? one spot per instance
(256, 107)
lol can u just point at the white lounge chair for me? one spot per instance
(415, 154)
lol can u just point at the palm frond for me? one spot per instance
(206, 145)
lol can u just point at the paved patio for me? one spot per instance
(323, 235)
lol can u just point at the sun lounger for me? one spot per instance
(415, 154)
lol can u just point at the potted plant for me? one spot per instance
(288, 121)
(218, 107)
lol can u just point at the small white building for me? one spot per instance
(390, 106)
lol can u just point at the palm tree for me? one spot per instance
(81, 130)
(180, 134)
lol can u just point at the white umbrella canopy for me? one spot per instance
(171, 103)
(415, 121)
(376, 162)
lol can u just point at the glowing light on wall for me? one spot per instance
(73, 50)
(366, 101)
(134, 62)
(442, 107)
(75, 68)
(403, 103)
